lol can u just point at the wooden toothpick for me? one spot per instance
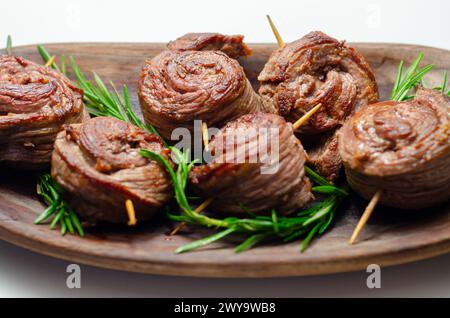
(199, 209)
(275, 32)
(50, 61)
(366, 216)
(131, 213)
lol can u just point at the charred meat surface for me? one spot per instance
(318, 69)
(231, 45)
(401, 148)
(258, 165)
(176, 87)
(99, 166)
(35, 102)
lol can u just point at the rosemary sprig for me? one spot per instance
(58, 211)
(407, 81)
(98, 98)
(307, 223)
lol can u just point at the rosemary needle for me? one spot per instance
(9, 45)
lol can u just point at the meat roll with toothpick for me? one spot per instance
(258, 165)
(402, 149)
(318, 69)
(99, 166)
(35, 102)
(177, 87)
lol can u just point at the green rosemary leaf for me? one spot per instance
(56, 219)
(309, 237)
(398, 79)
(63, 226)
(316, 177)
(63, 65)
(9, 45)
(45, 55)
(444, 84)
(275, 221)
(325, 225)
(295, 235)
(205, 241)
(250, 242)
(48, 212)
(69, 225)
(76, 223)
(321, 213)
(329, 190)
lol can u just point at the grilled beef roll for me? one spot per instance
(176, 87)
(35, 102)
(99, 166)
(258, 165)
(318, 69)
(401, 148)
(231, 45)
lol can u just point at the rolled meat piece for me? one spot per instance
(99, 166)
(231, 45)
(258, 165)
(401, 148)
(177, 87)
(318, 69)
(35, 102)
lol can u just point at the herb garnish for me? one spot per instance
(58, 210)
(406, 82)
(307, 223)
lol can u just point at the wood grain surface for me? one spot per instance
(391, 237)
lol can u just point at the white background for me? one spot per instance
(23, 273)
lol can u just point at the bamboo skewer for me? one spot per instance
(50, 61)
(366, 215)
(275, 32)
(131, 212)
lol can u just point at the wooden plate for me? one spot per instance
(392, 237)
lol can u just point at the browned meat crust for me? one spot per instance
(35, 101)
(231, 45)
(400, 148)
(324, 156)
(99, 166)
(236, 184)
(318, 69)
(177, 87)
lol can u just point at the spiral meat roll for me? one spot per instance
(318, 69)
(258, 164)
(401, 148)
(231, 45)
(176, 87)
(99, 166)
(35, 102)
